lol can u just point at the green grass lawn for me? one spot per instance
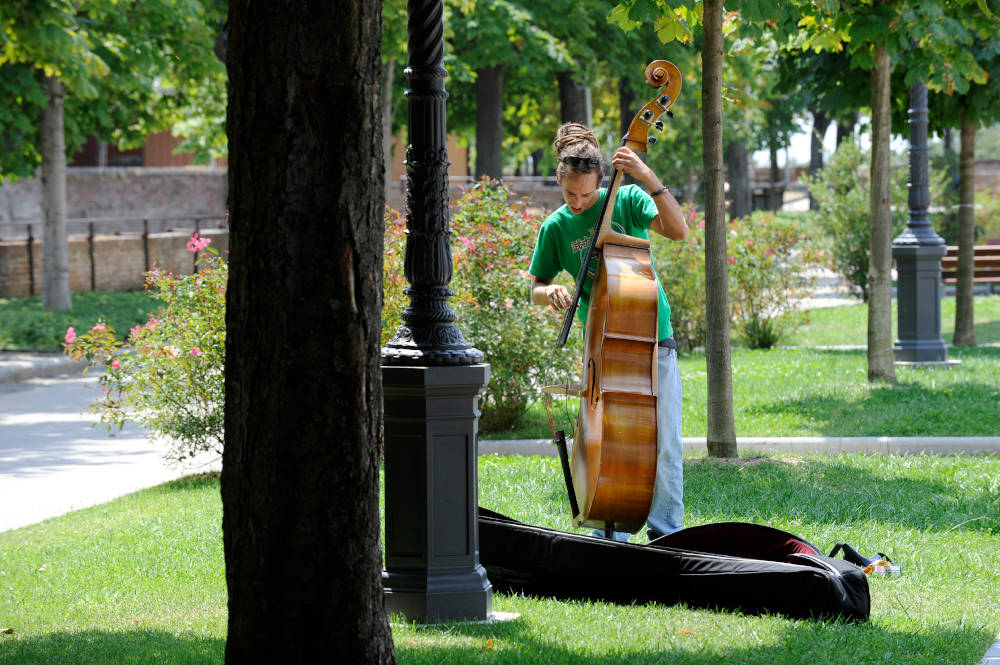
(141, 579)
(848, 324)
(26, 325)
(813, 391)
(817, 392)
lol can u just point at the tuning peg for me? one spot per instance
(670, 114)
(647, 114)
(659, 125)
(651, 139)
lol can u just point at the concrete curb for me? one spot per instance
(20, 366)
(832, 445)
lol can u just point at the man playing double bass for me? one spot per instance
(562, 243)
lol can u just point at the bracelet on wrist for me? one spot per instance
(658, 192)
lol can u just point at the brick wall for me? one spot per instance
(123, 192)
(119, 261)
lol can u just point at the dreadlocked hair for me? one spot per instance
(574, 139)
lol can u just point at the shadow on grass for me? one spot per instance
(888, 409)
(798, 642)
(826, 491)
(96, 647)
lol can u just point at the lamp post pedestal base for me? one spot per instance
(432, 568)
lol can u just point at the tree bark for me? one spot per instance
(721, 428)
(626, 106)
(965, 332)
(821, 121)
(489, 121)
(300, 475)
(739, 179)
(387, 76)
(55, 245)
(880, 355)
(845, 128)
(774, 196)
(572, 99)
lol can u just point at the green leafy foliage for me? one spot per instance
(842, 190)
(129, 69)
(168, 377)
(770, 262)
(26, 325)
(493, 235)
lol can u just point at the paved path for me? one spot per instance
(52, 459)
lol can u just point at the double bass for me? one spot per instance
(612, 473)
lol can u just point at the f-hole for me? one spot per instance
(592, 383)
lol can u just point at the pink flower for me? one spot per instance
(196, 352)
(770, 251)
(115, 364)
(701, 224)
(732, 260)
(691, 218)
(749, 243)
(465, 241)
(196, 243)
(136, 331)
(151, 324)
(70, 335)
(508, 302)
(99, 326)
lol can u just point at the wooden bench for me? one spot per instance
(986, 265)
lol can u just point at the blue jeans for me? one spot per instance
(666, 513)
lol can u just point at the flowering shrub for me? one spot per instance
(169, 376)
(768, 268)
(769, 263)
(394, 283)
(681, 269)
(493, 236)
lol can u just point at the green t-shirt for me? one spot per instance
(564, 238)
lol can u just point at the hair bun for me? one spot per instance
(571, 133)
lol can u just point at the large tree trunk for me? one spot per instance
(55, 245)
(572, 99)
(965, 332)
(489, 121)
(821, 121)
(721, 428)
(300, 474)
(387, 76)
(739, 179)
(880, 354)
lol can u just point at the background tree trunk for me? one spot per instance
(572, 99)
(774, 196)
(300, 476)
(880, 355)
(721, 428)
(387, 113)
(55, 245)
(845, 127)
(626, 106)
(965, 332)
(739, 179)
(821, 121)
(489, 121)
